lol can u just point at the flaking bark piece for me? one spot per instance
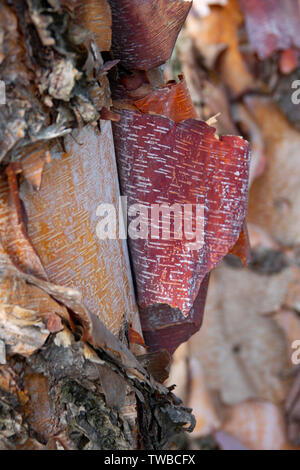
(33, 165)
(161, 162)
(144, 32)
(157, 364)
(160, 401)
(27, 316)
(95, 16)
(40, 66)
(94, 330)
(13, 234)
(272, 25)
(62, 226)
(172, 101)
(116, 355)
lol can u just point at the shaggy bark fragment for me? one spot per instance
(27, 316)
(161, 162)
(9, 384)
(172, 101)
(163, 406)
(207, 419)
(144, 32)
(95, 16)
(40, 71)
(157, 364)
(272, 25)
(113, 386)
(33, 165)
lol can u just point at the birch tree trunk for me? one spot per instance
(69, 323)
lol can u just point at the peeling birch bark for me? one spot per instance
(62, 226)
(193, 167)
(172, 101)
(144, 32)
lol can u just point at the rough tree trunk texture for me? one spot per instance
(68, 316)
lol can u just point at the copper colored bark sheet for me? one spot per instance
(272, 25)
(242, 247)
(161, 162)
(172, 101)
(62, 224)
(144, 31)
(13, 236)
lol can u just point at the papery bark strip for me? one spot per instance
(161, 162)
(62, 224)
(145, 31)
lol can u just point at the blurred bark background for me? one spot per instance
(240, 60)
(70, 331)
